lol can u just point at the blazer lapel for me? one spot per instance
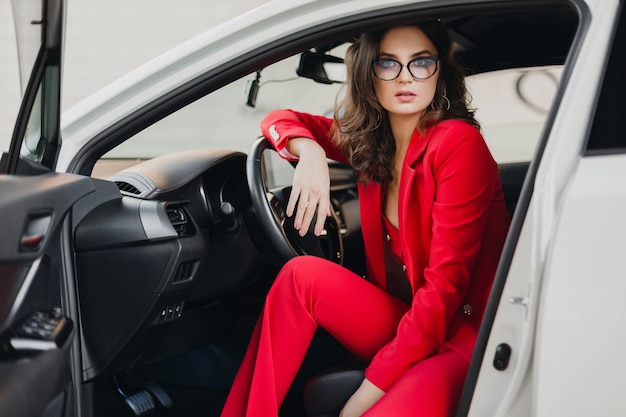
(409, 213)
(411, 208)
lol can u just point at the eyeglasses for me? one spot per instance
(421, 68)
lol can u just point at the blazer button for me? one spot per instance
(403, 268)
(467, 309)
(388, 238)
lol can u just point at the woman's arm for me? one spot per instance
(279, 126)
(308, 139)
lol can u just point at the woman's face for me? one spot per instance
(405, 95)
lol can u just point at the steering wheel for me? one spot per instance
(283, 240)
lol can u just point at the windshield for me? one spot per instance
(19, 44)
(224, 120)
(39, 34)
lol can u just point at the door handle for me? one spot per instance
(35, 231)
(31, 241)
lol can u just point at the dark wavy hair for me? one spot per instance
(362, 127)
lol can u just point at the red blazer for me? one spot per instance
(452, 221)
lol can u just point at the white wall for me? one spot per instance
(9, 76)
(106, 39)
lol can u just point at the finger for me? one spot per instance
(323, 212)
(301, 208)
(293, 199)
(308, 213)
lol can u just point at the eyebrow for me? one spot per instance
(415, 55)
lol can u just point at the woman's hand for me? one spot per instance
(365, 396)
(311, 186)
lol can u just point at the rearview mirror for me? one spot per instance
(321, 68)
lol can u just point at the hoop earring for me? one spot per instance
(445, 97)
(447, 101)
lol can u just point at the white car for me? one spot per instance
(142, 228)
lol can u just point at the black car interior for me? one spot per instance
(173, 257)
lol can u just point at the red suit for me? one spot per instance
(452, 226)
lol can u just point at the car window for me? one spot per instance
(607, 134)
(510, 104)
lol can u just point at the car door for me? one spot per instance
(553, 336)
(36, 336)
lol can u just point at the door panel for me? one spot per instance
(35, 335)
(31, 385)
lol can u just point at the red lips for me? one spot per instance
(405, 96)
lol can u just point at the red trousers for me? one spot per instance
(311, 292)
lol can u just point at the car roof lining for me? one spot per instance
(506, 40)
(491, 40)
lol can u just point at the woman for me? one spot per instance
(433, 220)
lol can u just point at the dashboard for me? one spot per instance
(157, 255)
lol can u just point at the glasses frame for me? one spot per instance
(407, 65)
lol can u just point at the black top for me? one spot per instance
(397, 281)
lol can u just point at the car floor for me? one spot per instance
(197, 382)
(186, 401)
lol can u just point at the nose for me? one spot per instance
(405, 75)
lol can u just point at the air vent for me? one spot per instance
(185, 271)
(127, 188)
(179, 219)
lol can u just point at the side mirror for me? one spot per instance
(317, 66)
